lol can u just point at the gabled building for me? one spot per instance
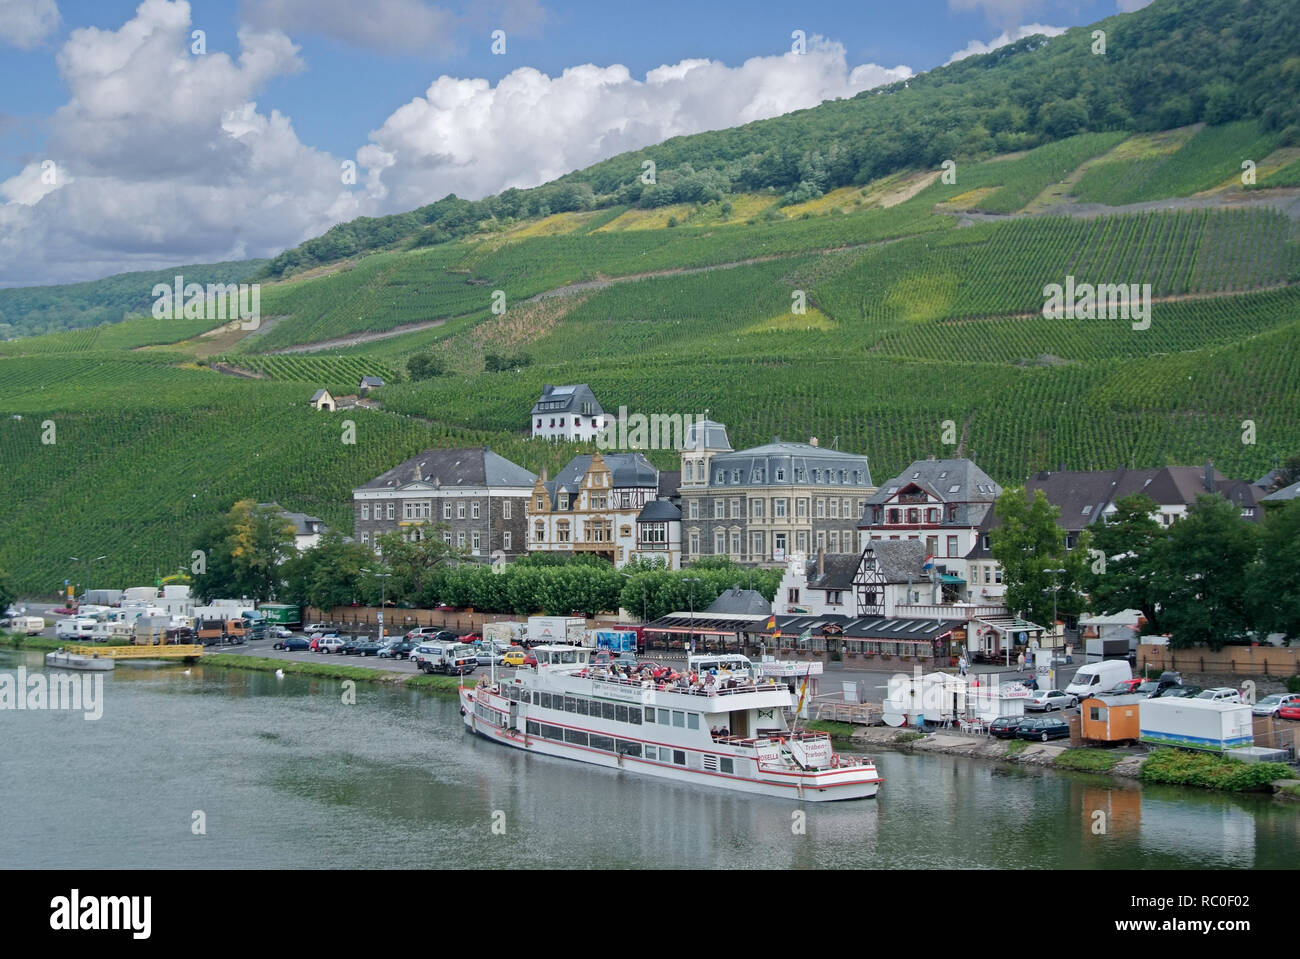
(941, 504)
(322, 400)
(369, 383)
(568, 413)
(307, 530)
(761, 504)
(659, 533)
(817, 587)
(593, 506)
(472, 498)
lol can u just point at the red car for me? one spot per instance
(1126, 686)
(1289, 710)
(472, 638)
(530, 659)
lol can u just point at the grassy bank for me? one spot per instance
(1087, 760)
(1210, 771)
(331, 671)
(836, 730)
(22, 641)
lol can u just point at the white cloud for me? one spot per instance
(25, 23)
(470, 138)
(1128, 6)
(162, 157)
(1002, 39)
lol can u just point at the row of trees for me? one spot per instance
(249, 552)
(1211, 578)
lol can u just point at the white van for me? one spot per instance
(1099, 678)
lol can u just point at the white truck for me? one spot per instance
(1195, 723)
(558, 629)
(504, 632)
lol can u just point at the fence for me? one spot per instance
(1271, 661)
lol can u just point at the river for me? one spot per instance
(280, 773)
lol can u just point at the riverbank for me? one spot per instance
(1165, 765)
(362, 674)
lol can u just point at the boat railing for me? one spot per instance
(748, 686)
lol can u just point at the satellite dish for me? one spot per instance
(892, 719)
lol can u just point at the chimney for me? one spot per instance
(821, 560)
(812, 441)
(419, 473)
(1209, 476)
(546, 390)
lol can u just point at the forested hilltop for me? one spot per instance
(1171, 64)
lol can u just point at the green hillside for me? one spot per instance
(923, 299)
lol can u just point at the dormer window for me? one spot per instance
(735, 476)
(564, 501)
(720, 477)
(780, 475)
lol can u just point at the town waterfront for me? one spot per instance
(282, 774)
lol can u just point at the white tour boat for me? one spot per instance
(729, 729)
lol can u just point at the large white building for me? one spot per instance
(568, 413)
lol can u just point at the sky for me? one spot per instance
(129, 141)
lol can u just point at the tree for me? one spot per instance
(7, 592)
(1202, 578)
(424, 366)
(1131, 543)
(1028, 545)
(329, 574)
(1274, 597)
(242, 552)
(413, 561)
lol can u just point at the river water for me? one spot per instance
(280, 773)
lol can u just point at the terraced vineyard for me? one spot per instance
(327, 371)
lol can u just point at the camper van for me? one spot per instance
(75, 628)
(1099, 678)
(31, 625)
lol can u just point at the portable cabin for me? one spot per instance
(1110, 719)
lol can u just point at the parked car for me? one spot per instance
(1289, 710)
(399, 649)
(1186, 692)
(1004, 727)
(1220, 694)
(489, 656)
(279, 632)
(311, 629)
(472, 638)
(366, 647)
(625, 659)
(293, 643)
(1124, 687)
(328, 644)
(1049, 699)
(530, 660)
(516, 657)
(1269, 705)
(1043, 728)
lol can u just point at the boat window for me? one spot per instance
(607, 710)
(602, 742)
(575, 736)
(693, 720)
(582, 707)
(634, 715)
(620, 713)
(544, 700)
(726, 765)
(568, 656)
(652, 752)
(532, 728)
(650, 714)
(552, 732)
(629, 748)
(679, 757)
(526, 695)
(570, 704)
(679, 719)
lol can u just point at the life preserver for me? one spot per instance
(835, 761)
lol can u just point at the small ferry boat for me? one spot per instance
(62, 659)
(717, 724)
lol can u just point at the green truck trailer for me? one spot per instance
(280, 614)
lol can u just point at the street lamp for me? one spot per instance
(383, 592)
(692, 580)
(1056, 588)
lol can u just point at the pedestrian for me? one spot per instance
(961, 664)
(1020, 661)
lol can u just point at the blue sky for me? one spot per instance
(326, 83)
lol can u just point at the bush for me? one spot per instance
(1293, 684)
(1087, 760)
(910, 736)
(1210, 771)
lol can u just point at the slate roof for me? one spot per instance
(304, 525)
(867, 627)
(317, 395)
(706, 435)
(900, 560)
(951, 481)
(670, 481)
(659, 511)
(567, 399)
(798, 461)
(1285, 493)
(1085, 495)
(371, 381)
(627, 471)
(743, 602)
(839, 572)
(478, 466)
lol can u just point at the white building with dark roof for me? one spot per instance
(568, 413)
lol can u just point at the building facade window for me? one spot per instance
(505, 540)
(505, 509)
(365, 511)
(473, 510)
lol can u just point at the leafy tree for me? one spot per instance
(424, 366)
(7, 592)
(1132, 543)
(242, 553)
(1028, 545)
(1203, 577)
(329, 574)
(412, 562)
(1275, 580)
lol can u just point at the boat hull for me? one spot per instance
(857, 782)
(89, 664)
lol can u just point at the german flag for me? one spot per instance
(771, 623)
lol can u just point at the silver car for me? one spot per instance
(1269, 705)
